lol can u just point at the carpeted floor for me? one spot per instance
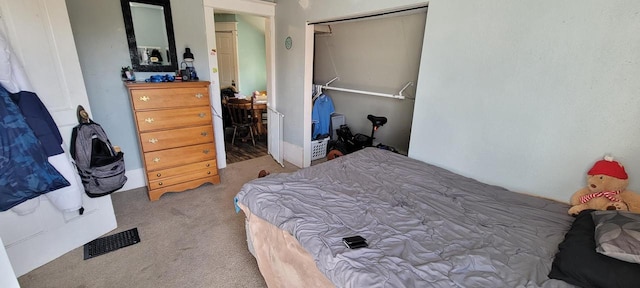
(189, 239)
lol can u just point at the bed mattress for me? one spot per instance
(425, 226)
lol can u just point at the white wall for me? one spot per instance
(523, 94)
(98, 30)
(528, 95)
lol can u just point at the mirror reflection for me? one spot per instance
(150, 35)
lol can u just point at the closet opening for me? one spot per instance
(361, 66)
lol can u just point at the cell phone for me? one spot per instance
(354, 242)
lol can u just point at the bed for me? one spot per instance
(425, 226)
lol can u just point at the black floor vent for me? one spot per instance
(111, 243)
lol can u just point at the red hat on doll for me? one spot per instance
(610, 168)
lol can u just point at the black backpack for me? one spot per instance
(101, 168)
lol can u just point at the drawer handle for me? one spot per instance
(199, 95)
(156, 159)
(149, 120)
(208, 172)
(159, 183)
(158, 174)
(208, 165)
(153, 140)
(202, 115)
(204, 134)
(205, 151)
(145, 98)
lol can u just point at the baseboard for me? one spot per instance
(135, 179)
(293, 154)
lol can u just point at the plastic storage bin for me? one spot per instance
(319, 148)
(336, 120)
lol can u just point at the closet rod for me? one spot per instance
(398, 96)
(369, 16)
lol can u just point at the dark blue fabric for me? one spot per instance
(40, 121)
(25, 172)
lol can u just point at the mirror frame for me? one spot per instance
(131, 37)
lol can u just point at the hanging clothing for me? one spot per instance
(321, 116)
(40, 121)
(25, 172)
(66, 198)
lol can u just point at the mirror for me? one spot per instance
(150, 35)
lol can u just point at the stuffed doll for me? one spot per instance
(606, 189)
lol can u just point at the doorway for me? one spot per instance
(241, 53)
(265, 10)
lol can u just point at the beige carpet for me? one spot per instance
(189, 239)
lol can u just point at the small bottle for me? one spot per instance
(145, 56)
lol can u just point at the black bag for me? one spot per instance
(101, 168)
(352, 142)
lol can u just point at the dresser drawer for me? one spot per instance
(181, 178)
(154, 194)
(169, 98)
(209, 165)
(152, 141)
(175, 157)
(173, 118)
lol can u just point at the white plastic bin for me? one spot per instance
(336, 120)
(319, 148)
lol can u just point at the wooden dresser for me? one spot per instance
(175, 132)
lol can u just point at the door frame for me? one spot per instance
(259, 8)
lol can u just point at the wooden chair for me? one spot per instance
(241, 115)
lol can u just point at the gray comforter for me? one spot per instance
(426, 226)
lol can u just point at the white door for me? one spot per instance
(40, 34)
(227, 58)
(7, 277)
(275, 119)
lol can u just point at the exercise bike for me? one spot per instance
(349, 143)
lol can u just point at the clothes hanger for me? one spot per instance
(318, 91)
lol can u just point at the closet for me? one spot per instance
(369, 65)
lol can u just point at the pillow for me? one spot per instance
(578, 263)
(618, 234)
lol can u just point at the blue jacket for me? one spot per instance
(40, 121)
(25, 171)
